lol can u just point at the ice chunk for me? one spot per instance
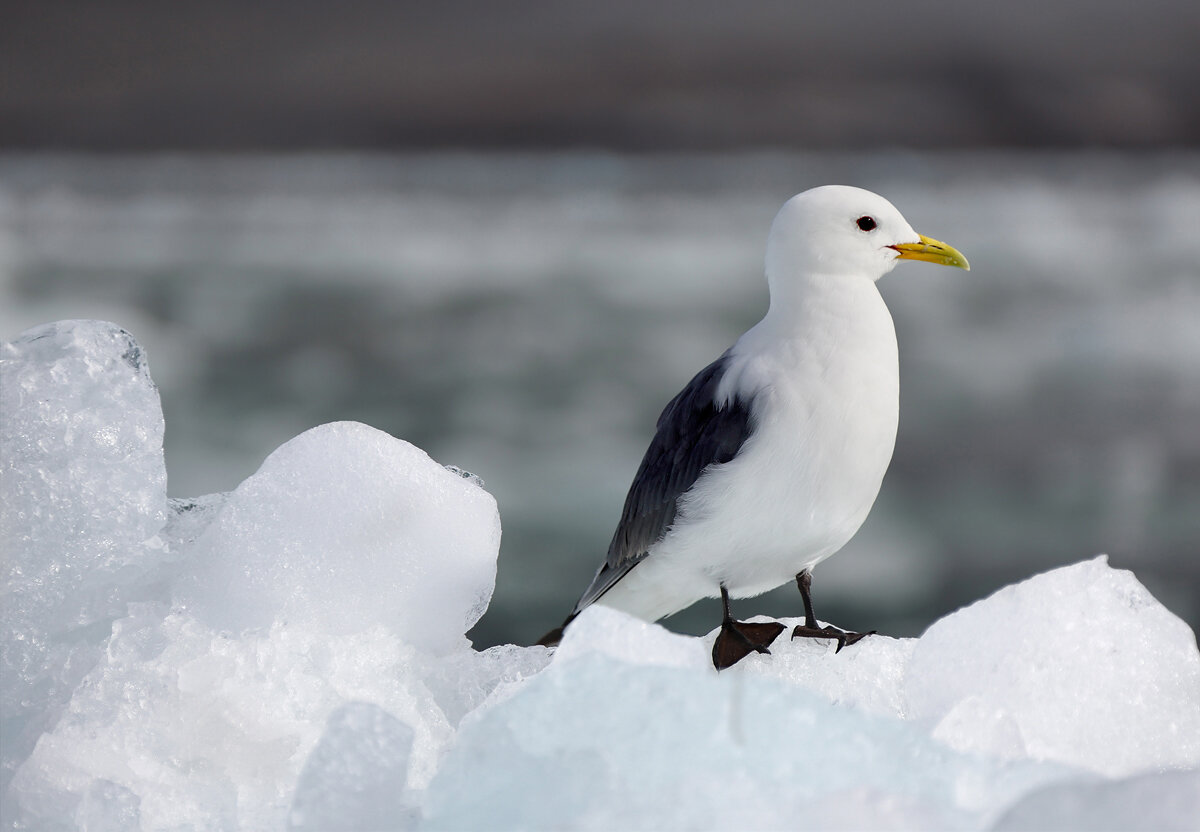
(474, 479)
(356, 778)
(630, 727)
(1164, 802)
(601, 629)
(108, 807)
(344, 528)
(975, 725)
(870, 676)
(188, 518)
(596, 743)
(466, 681)
(207, 730)
(82, 497)
(1080, 665)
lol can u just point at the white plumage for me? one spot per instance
(803, 407)
(826, 387)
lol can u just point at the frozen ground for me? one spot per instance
(291, 654)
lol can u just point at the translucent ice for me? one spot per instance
(594, 743)
(1164, 802)
(344, 528)
(82, 497)
(869, 677)
(1080, 665)
(174, 662)
(600, 629)
(355, 778)
(631, 728)
(212, 730)
(467, 681)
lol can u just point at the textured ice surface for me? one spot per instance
(82, 497)
(596, 743)
(174, 663)
(630, 728)
(292, 654)
(1019, 674)
(211, 729)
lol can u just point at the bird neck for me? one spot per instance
(802, 304)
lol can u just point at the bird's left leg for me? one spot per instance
(739, 639)
(811, 629)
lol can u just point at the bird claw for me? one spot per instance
(842, 637)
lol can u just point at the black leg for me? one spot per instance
(810, 628)
(804, 581)
(739, 639)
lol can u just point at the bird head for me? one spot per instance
(837, 230)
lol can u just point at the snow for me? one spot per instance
(292, 655)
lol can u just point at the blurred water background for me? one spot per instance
(525, 316)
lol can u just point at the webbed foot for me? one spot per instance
(739, 639)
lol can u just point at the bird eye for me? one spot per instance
(866, 223)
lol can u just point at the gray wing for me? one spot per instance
(693, 433)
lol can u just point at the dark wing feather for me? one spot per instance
(693, 433)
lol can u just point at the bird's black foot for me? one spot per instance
(738, 639)
(809, 628)
(842, 637)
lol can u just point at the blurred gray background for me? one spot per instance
(509, 232)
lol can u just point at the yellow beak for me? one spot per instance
(932, 251)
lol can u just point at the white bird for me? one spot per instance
(769, 460)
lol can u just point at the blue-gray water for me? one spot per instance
(526, 317)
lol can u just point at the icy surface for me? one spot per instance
(1166, 802)
(341, 512)
(82, 496)
(353, 778)
(630, 728)
(613, 745)
(291, 654)
(1017, 675)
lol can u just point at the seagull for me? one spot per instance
(770, 459)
